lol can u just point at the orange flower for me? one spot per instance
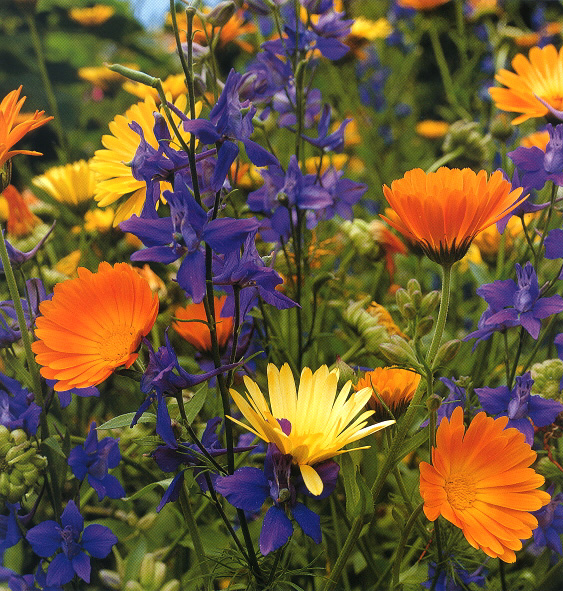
(394, 386)
(384, 318)
(443, 211)
(93, 325)
(538, 139)
(12, 132)
(431, 129)
(390, 243)
(21, 220)
(539, 76)
(197, 333)
(421, 4)
(481, 482)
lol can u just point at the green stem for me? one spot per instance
(168, 114)
(194, 532)
(538, 257)
(445, 159)
(517, 358)
(185, 67)
(502, 575)
(39, 54)
(401, 548)
(442, 314)
(338, 539)
(461, 38)
(506, 356)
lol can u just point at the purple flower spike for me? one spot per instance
(94, 459)
(74, 542)
(520, 406)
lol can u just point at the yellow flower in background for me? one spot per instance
(371, 30)
(538, 76)
(114, 176)
(102, 76)
(318, 422)
(99, 220)
(173, 85)
(431, 129)
(93, 16)
(394, 386)
(73, 184)
(68, 265)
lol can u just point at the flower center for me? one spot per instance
(460, 490)
(118, 343)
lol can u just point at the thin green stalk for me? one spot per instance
(538, 344)
(500, 256)
(39, 54)
(517, 358)
(445, 159)
(181, 54)
(401, 548)
(442, 314)
(338, 539)
(502, 575)
(506, 356)
(236, 330)
(194, 532)
(538, 257)
(461, 38)
(167, 112)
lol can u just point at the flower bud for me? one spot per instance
(446, 353)
(433, 403)
(358, 232)
(474, 147)
(147, 571)
(412, 286)
(424, 326)
(110, 579)
(133, 586)
(398, 352)
(173, 585)
(501, 127)
(158, 577)
(146, 521)
(222, 13)
(409, 311)
(403, 298)
(429, 303)
(547, 378)
(346, 373)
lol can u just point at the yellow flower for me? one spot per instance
(371, 30)
(174, 85)
(99, 220)
(72, 184)
(102, 76)
(93, 16)
(384, 318)
(69, 264)
(320, 422)
(432, 129)
(114, 176)
(394, 386)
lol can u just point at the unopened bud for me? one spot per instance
(398, 352)
(424, 326)
(222, 13)
(547, 378)
(408, 311)
(346, 373)
(146, 521)
(501, 127)
(282, 198)
(429, 303)
(134, 75)
(110, 579)
(413, 285)
(433, 403)
(465, 137)
(147, 570)
(446, 353)
(173, 585)
(133, 586)
(402, 297)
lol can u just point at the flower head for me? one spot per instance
(73, 184)
(318, 423)
(21, 220)
(431, 129)
(535, 78)
(197, 333)
(93, 325)
(421, 4)
(390, 386)
(93, 459)
(74, 540)
(481, 482)
(12, 132)
(443, 211)
(91, 16)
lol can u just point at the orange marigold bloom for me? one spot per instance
(538, 76)
(539, 139)
(443, 211)
(12, 132)
(93, 325)
(481, 481)
(21, 220)
(197, 333)
(394, 386)
(422, 4)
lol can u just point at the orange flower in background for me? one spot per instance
(431, 129)
(539, 76)
(92, 16)
(421, 4)
(12, 132)
(443, 211)
(394, 386)
(481, 481)
(390, 243)
(384, 318)
(93, 325)
(21, 220)
(539, 139)
(197, 333)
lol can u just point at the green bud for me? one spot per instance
(433, 403)
(465, 137)
(358, 232)
(221, 14)
(173, 585)
(429, 303)
(403, 298)
(18, 436)
(346, 373)
(147, 570)
(446, 353)
(134, 75)
(16, 492)
(146, 521)
(547, 376)
(133, 586)
(398, 352)
(409, 311)
(159, 576)
(416, 298)
(412, 286)
(110, 579)
(4, 434)
(424, 326)
(501, 127)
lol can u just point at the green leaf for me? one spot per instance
(53, 445)
(134, 559)
(196, 403)
(413, 443)
(125, 421)
(162, 483)
(351, 488)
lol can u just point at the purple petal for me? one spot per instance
(258, 155)
(173, 491)
(227, 234)
(276, 530)
(78, 462)
(246, 489)
(191, 275)
(60, 571)
(225, 157)
(308, 521)
(81, 566)
(98, 540)
(524, 426)
(545, 307)
(543, 411)
(45, 538)
(202, 129)
(494, 400)
(108, 486)
(531, 324)
(498, 294)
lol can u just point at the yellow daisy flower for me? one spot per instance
(93, 16)
(72, 184)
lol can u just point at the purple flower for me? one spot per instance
(285, 101)
(248, 273)
(456, 397)
(65, 397)
(94, 458)
(169, 459)
(10, 533)
(17, 409)
(181, 235)
(264, 76)
(520, 406)
(452, 577)
(248, 488)
(328, 142)
(550, 523)
(9, 327)
(538, 167)
(519, 304)
(74, 541)
(18, 257)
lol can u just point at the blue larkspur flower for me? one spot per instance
(17, 407)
